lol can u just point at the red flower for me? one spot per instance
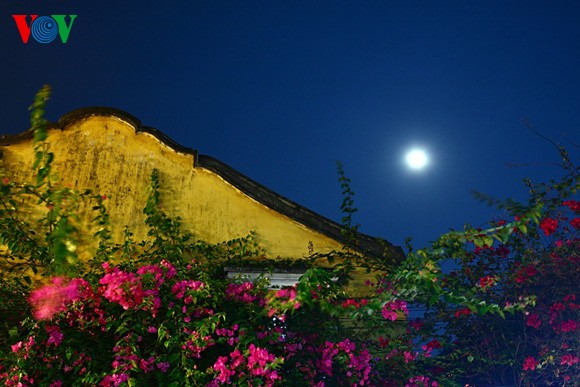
(569, 360)
(502, 251)
(433, 344)
(548, 226)
(383, 342)
(569, 326)
(461, 312)
(533, 320)
(575, 223)
(530, 363)
(524, 272)
(487, 281)
(574, 205)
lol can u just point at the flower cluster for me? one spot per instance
(392, 309)
(257, 363)
(421, 381)
(549, 226)
(159, 320)
(50, 299)
(244, 292)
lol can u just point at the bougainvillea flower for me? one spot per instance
(548, 226)
(390, 309)
(569, 360)
(533, 320)
(487, 281)
(48, 300)
(530, 363)
(574, 205)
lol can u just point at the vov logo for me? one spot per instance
(44, 28)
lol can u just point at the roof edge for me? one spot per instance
(293, 210)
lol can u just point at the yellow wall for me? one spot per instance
(107, 154)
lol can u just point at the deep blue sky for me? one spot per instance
(281, 90)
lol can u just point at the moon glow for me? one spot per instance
(416, 159)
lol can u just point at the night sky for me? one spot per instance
(281, 90)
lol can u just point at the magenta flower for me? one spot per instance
(533, 320)
(569, 359)
(420, 381)
(55, 336)
(409, 357)
(390, 309)
(530, 363)
(224, 372)
(122, 288)
(569, 326)
(181, 287)
(51, 299)
(242, 292)
(114, 380)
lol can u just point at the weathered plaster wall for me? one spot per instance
(108, 155)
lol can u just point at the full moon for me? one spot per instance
(416, 159)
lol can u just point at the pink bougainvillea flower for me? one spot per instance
(462, 312)
(48, 300)
(287, 297)
(287, 293)
(533, 320)
(389, 314)
(114, 380)
(409, 357)
(430, 347)
(487, 281)
(530, 363)
(569, 326)
(569, 359)
(433, 344)
(525, 272)
(180, 288)
(574, 205)
(127, 289)
(421, 381)
(23, 348)
(548, 226)
(390, 309)
(243, 292)
(55, 336)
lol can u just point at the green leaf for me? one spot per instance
(39, 135)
